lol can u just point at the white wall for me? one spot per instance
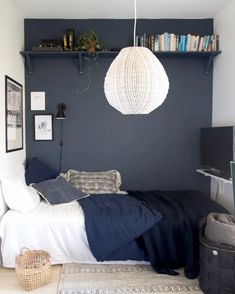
(11, 64)
(224, 81)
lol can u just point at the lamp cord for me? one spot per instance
(135, 24)
(61, 143)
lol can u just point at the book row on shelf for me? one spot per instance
(182, 43)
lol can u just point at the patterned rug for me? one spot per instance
(117, 279)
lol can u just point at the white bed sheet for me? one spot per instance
(58, 229)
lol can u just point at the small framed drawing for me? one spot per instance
(37, 100)
(43, 127)
(14, 115)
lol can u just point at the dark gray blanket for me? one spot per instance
(174, 241)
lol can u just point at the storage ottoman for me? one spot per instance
(217, 266)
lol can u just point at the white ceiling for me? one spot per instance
(81, 9)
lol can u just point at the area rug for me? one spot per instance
(117, 279)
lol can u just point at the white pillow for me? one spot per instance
(17, 195)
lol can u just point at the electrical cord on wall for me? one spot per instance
(61, 116)
(61, 144)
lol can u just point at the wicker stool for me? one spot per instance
(217, 266)
(33, 268)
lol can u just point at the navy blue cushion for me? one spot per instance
(58, 191)
(37, 171)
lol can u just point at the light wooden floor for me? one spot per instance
(9, 283)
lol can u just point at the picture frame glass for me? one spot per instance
(43, 127)
(14, 115)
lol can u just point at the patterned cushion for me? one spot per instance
(107, 182)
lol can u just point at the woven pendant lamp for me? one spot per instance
(136, 82)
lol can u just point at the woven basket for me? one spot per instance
(33, 268)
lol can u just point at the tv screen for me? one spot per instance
(217, 150)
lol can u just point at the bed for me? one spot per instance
(156, 227)
(69, 236)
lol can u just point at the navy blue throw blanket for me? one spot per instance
(112, 221)
(174, 241)
(170, 238)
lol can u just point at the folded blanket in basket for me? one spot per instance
(220, 228)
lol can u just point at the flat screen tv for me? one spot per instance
(217, 150)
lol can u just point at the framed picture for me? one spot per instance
(37, 100)
(43, 127)
(14, 115)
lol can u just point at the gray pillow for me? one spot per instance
(58, 191)
(105, 182)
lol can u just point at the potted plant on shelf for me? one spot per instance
(89, 42)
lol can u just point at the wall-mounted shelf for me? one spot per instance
(220, 182)
(79, 55)
(207, 174)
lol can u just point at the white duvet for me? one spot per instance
(58, 229)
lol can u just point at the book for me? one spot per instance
(182, 43)
(190, 39)
(151, 42)
(207, 43)
(195, 43)
(156, 43)
(172, 42)
(161, 42)
(165, 35)
(201, 44)
(177, 42)
(204, 43)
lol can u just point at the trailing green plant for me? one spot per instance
(85, 83)
(89, 42)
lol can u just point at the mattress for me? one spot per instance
(58, 229)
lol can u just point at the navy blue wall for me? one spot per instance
(155, 151)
